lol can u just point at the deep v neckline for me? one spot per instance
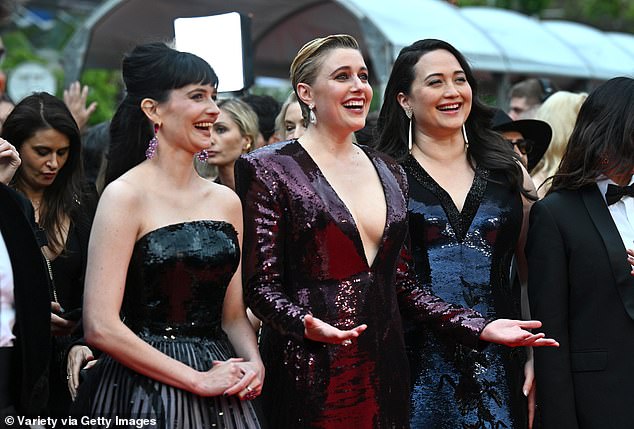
(460, 221)
(353, 222)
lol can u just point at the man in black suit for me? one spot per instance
(26, 309)
(580, 282)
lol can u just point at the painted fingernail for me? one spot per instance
(526, 392)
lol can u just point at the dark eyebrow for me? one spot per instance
(346, 68)
(440, 74)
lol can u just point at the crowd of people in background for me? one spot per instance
(204, 260)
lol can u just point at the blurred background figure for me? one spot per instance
(234, 133)
(6, 105)
(47, 137)
(526, 96)
(289, 123)
(560, 112)
(266, 108)
(367, 134)
(95, 143)
(529, 137)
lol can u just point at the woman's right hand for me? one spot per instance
(224, 378)
(318, 330)
(60, 326)
(79, 357)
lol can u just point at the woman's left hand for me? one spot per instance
(254, 389)
(514, 333)
(529, 390)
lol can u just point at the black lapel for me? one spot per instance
(602, 219)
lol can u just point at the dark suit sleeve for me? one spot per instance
(263, 250)
(548, 289)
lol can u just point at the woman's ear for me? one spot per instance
(247, 144)
(305, 93)
(149, 107)
(403, 101)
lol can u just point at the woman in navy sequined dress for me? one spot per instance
(467, 207)
(184, 355)
(325, 263)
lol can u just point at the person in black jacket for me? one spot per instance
(580, 282)
(25, 314)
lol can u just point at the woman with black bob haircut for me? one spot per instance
(580, 278)
(163, 298)
(130, 130)
(48, 140)
(469, 199)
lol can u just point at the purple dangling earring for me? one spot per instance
(202, 155)
(151, 147)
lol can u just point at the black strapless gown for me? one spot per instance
(465, 257)
(175, 288)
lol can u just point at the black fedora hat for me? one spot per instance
(539, 132)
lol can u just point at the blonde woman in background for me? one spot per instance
(233, 134)
(560, 111)
(290, 124)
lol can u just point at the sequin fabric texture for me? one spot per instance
(465, 257)
(175, 288)
(303, 254)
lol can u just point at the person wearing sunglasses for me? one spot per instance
(529, 137)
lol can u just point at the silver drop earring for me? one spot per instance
(464, 134)
(311, 115)
(409, 113)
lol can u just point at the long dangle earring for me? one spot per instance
(464, 134)
(311, 115)
(409, 113)
(150, 152)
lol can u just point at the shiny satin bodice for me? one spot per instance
(465, 258)
(177, 279)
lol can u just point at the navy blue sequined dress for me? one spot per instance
(465, 257)
(175, 288)
(303, 253)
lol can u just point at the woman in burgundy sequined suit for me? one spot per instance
(324, 261)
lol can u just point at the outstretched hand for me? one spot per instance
(513, 333)
(318, 330)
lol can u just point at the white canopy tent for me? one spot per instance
(494, 40)
(526, 44)
(601, 54)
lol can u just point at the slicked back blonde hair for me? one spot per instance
(305, 66)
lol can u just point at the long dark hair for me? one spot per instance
(149, 71)
(42, 111)
(486, 147)
(603, 138)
